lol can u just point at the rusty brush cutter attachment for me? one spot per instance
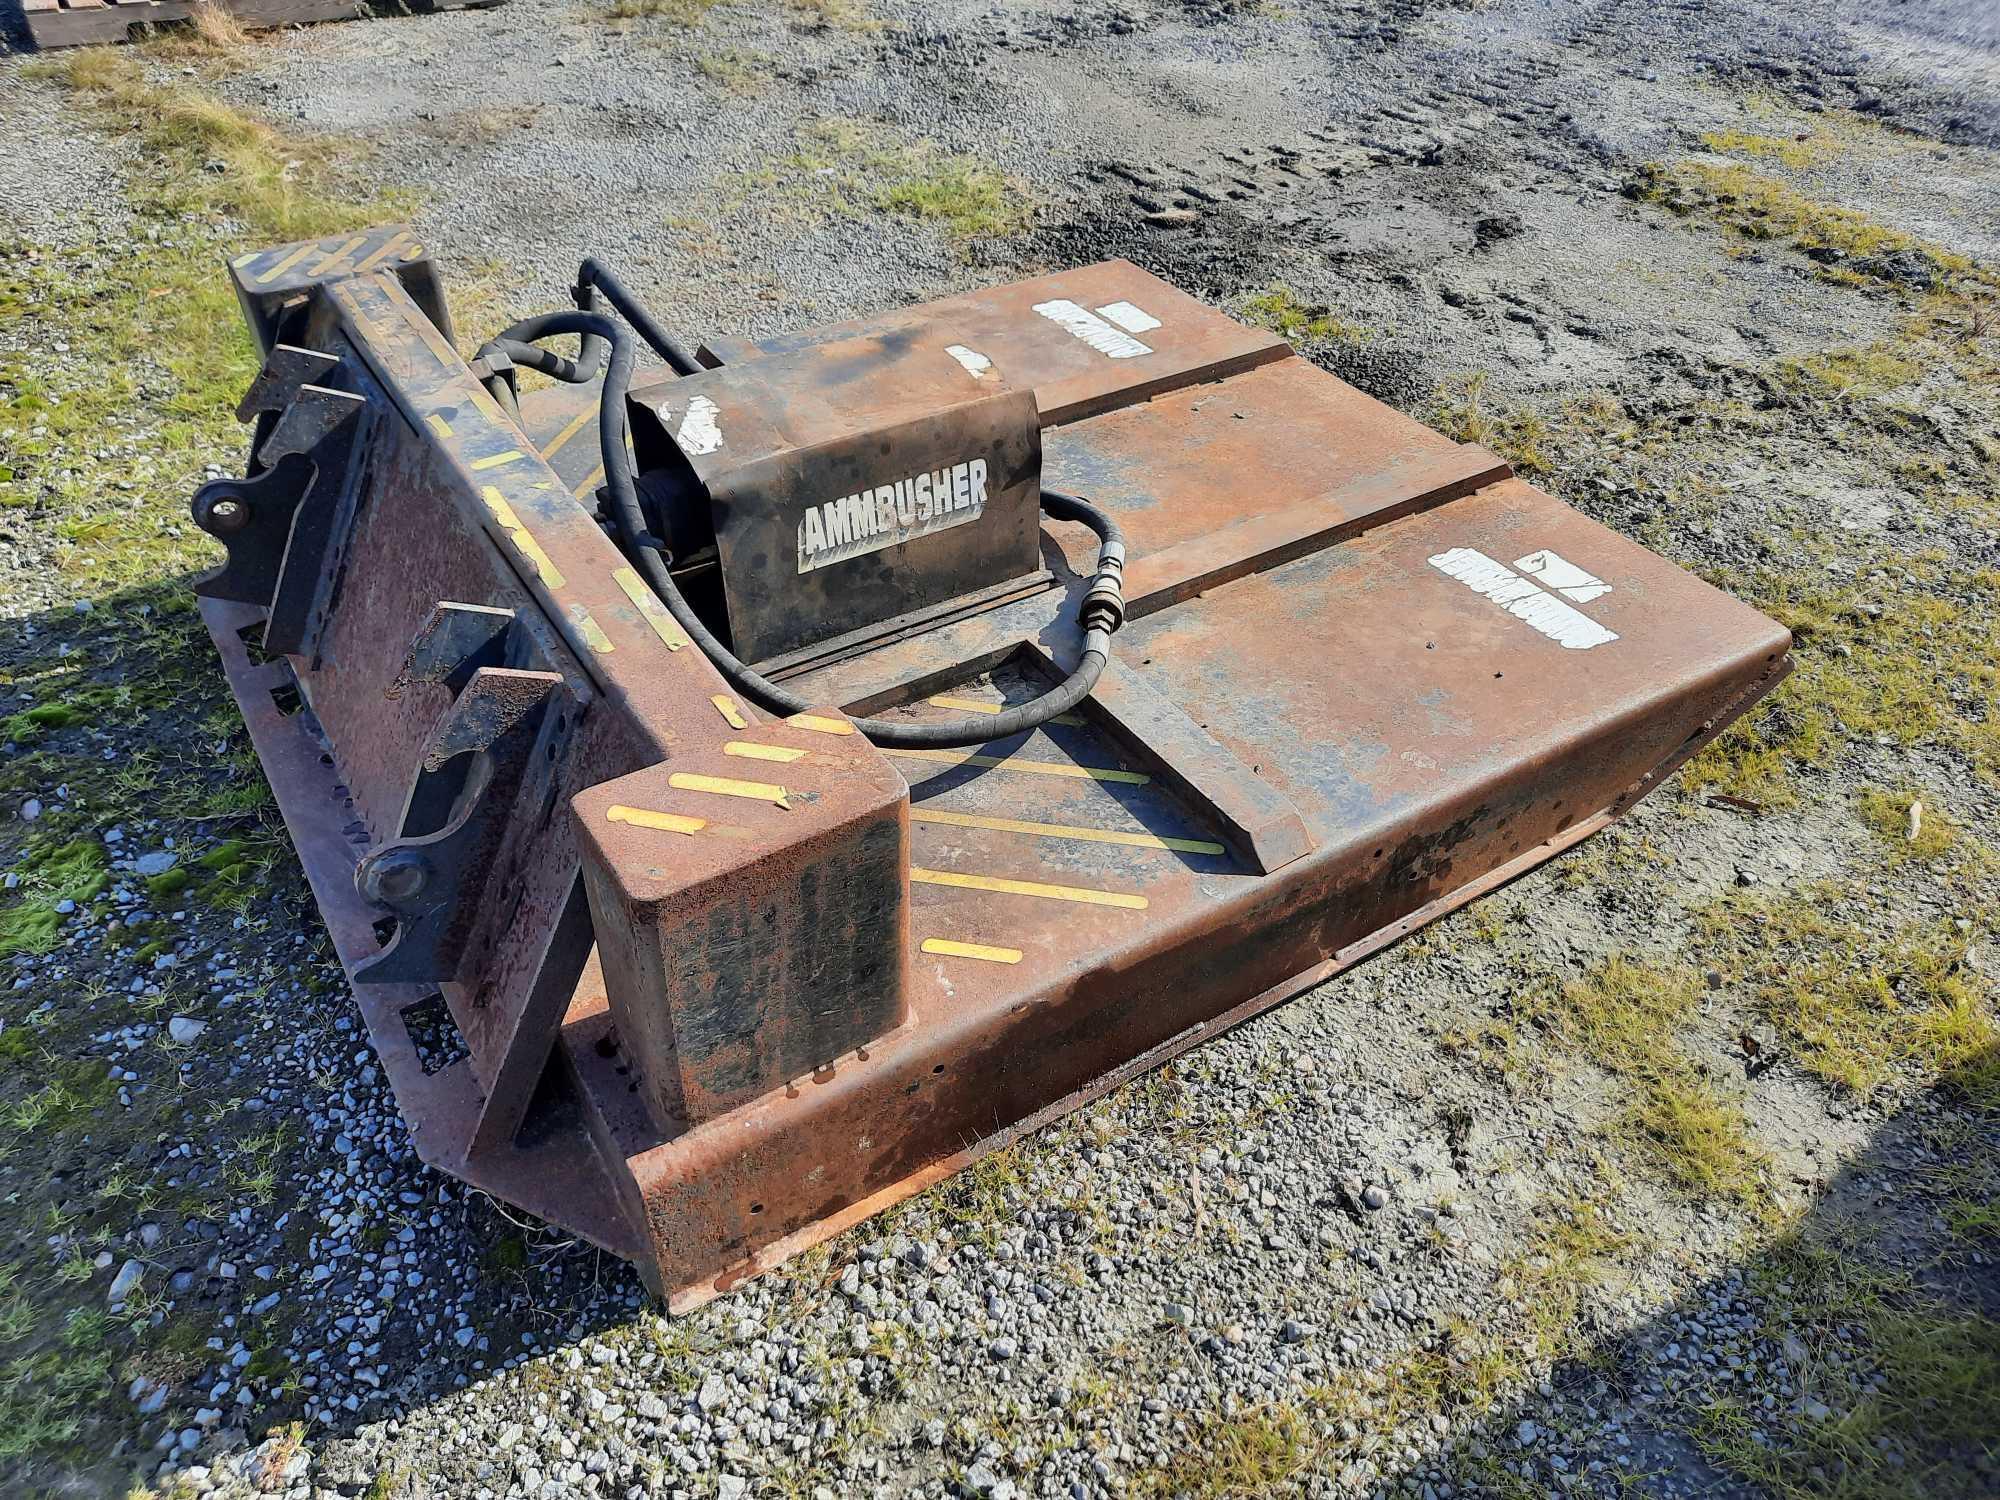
(735, 764)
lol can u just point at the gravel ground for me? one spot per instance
(1388, 1239)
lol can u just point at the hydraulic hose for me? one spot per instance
(594, 274)
(1101, 613)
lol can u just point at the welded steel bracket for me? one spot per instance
(432, 881)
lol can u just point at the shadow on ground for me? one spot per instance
(190, 1092)
(1856, 1355)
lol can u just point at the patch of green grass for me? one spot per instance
(1911, 825)
(1911, 664)
(1573, 1249)
(1856, 998)
(1466, 412)
(1256, 1452)
(981, 1199)
(1626, 1017)
(855, 169)
(1850, 373)
(680, 12)
(1281, 311)
(737, 71)
(159, 352)
(1798, 151)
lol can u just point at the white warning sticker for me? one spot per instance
(700, 430)
(1568, 627)
(1082, 323)
(1565, 577)
(975, 364)
(1129, 316)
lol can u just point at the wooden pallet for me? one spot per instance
(78, 23)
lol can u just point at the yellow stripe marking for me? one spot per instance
(730, 712)
(655, 614)
(340, 255)
(981, 706)
(950, 949)
(1026, 888)
(387, 248)
(1030, 767)
(286, 264)
(749, 751)
(518, 534)
(819, 724)
(589, 482)
(645, 817)
(549, 449)
(725, 786)
(592, 632)
(413, 252)
(439, 425)
(494, 460)
(1066, 831)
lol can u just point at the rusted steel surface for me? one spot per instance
(730, 974)
(1058, 336)
(782, 977)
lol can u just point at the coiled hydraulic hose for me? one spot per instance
(1102, 611)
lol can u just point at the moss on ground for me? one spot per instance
(50, 873)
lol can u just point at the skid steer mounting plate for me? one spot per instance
(714, 984)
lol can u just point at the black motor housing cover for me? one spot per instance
(838, 501)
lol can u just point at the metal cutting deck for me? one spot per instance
(1367, 675)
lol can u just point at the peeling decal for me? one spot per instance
(701, 429)
(1568, 627)
(984, 952)
(655, 614)
(519, 535)
(820, 724)
(592, 632)
(645, 817)
(1565, 577)
(748, 750)
(729, 786)
(1129, 316)
(976, 364)
(1081, 323)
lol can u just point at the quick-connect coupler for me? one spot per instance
(1104, 605)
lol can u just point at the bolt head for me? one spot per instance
(392, 877)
